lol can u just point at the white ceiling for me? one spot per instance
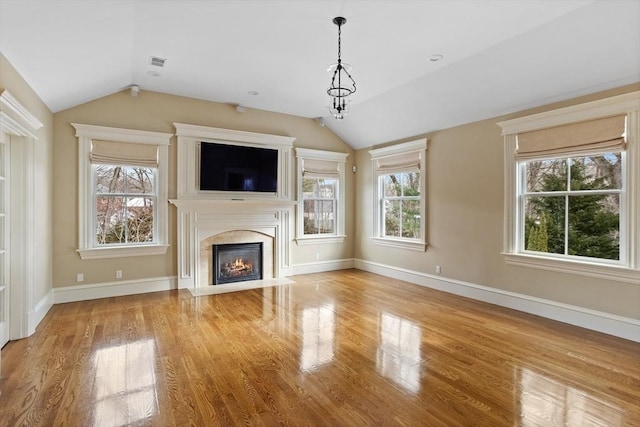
(499, 56)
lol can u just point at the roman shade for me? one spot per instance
(319, 168)
(124, 153)
(600, 135)
(402, 162)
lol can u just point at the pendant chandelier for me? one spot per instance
(342, 84)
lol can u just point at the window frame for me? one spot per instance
(339, 159)
(419, 148)
(88, 248)
(627, 269)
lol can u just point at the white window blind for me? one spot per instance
(592, 136)
(315, 168)
(403, 162)
(124, 153)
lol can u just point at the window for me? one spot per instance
(571, 179)
(125, 201)
(401, 205)
(571, 206)
(399, 195)
(321, 196)
(319, 201)
(122, 185)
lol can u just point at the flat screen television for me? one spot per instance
(226, 167)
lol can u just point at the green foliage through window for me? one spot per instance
(572, 206)
(401, 204)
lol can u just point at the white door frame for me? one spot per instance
(5, 236)
(21, 127)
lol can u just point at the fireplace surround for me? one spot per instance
(205, 218)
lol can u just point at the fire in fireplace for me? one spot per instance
(237, 262)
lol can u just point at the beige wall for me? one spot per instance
(465, 216)
(464, 184)
(157, 112)
(42, 266)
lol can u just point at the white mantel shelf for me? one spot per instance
(232, 204)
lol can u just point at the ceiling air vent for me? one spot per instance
(158, 62)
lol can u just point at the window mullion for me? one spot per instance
(566, 224)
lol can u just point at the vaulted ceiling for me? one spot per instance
(497, 56)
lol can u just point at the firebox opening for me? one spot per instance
(237, 262)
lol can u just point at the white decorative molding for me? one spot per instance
(621, 104)
(113, 289)
(201, 219)
(320, 239)
(391, 242)
(122, 134)
(122, 251)
(17, 122)
(9, 103)
(419, 150)
(220, 134)
(329, 156)
(398, 149)
(191, 136)
(598, 271)
(10, 126)
(337, 161)
(627, 269)
(87, 248)
(607, 323)
(323, 266)
(204, 214)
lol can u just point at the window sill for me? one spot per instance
(314, 240)
(588, 269)
(122, 251)
(401, 244)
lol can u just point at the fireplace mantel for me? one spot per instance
(231, 204)
(199, 220)
(203, 215)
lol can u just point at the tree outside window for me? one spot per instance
(401, 204)
(571, 206)
(125, 202)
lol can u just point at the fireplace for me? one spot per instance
(237, 262)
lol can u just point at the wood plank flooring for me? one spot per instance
(345, 348)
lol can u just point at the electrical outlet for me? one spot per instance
(438, 269)
(79, 277)
(317, 256)
(118, 274)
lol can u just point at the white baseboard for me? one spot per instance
(322, 266)
(39, 311)
(113, 289)
(607, 323)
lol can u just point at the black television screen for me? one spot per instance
(236, 168)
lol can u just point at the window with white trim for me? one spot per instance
(572, 191)
(321, 198)
(122, 189)
(399, 183)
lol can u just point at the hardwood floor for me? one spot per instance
(342, 348)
